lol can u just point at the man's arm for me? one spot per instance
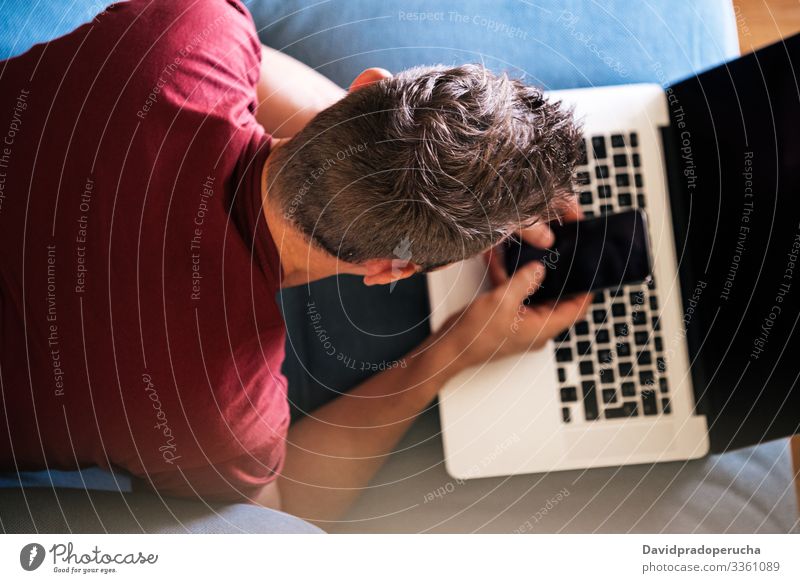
(334, 452)
(291, 93)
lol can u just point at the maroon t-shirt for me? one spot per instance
(139, 325)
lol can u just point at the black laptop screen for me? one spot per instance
(734, 161)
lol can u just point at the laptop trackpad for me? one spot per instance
(619, 441)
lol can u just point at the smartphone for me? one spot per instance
(588, 255)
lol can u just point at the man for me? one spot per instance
(147, 222)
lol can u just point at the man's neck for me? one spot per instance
(301, 262)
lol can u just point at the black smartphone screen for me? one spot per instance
(588, 255)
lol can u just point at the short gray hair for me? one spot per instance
(449, 160)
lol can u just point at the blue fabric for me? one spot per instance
(94, 478)
(77, 511)
(24, 23)
(555, 44)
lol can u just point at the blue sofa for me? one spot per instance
(555, 44)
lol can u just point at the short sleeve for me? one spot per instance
(236, 480)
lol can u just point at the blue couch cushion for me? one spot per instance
(556, 44)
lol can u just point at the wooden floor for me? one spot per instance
(762, 22)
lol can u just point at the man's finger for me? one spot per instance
(496, 267)
(525, 281)
(564, 313)
(572, 210)
(538, 235)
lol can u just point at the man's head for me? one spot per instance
(425, 168)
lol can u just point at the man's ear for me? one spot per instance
(386, 271)
(368, 77)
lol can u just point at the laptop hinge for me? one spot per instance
(678, 197)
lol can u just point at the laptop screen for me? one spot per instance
(734, 165)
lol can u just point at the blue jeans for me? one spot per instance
(555, 44)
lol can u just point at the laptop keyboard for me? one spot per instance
(612, 364)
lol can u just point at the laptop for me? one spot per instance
(703, 358)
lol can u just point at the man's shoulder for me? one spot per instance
(172, 12)
(178, 28)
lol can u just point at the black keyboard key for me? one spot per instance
(656, 324)
(588, 214)
(599, 298)
(644, 357)
(663, 385)
(601, 171)
(582, 328)
(606, 209)
(618, 309)
(659, 344)
(599, 146)
(625, 369)
(618, 141)
(666, 406)
(634, 140)
(641, 338)
(661, 364)
(583, 178)
(598, 316)
(628, 389)
(565, 414)
(623, 349)
(563, 336)
(638, 180)
(624, 199)
(639, 318)
(569, 395)
(636, 160)
(589, 400)
(604, 355)
(640, 202)
(627, 410)
(637, 298)
(616, 292)
(586, 367)
(585, 197)
(620, 160)
(584, 347)
(649, 406)
(609, 396)
(562, 375)
(654, 303)
(604, 191)
(602, 337)
(623, 180)
(563, 354)
(621, 329)
(606, 375)
(646, 378)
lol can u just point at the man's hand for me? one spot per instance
(498, 323)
